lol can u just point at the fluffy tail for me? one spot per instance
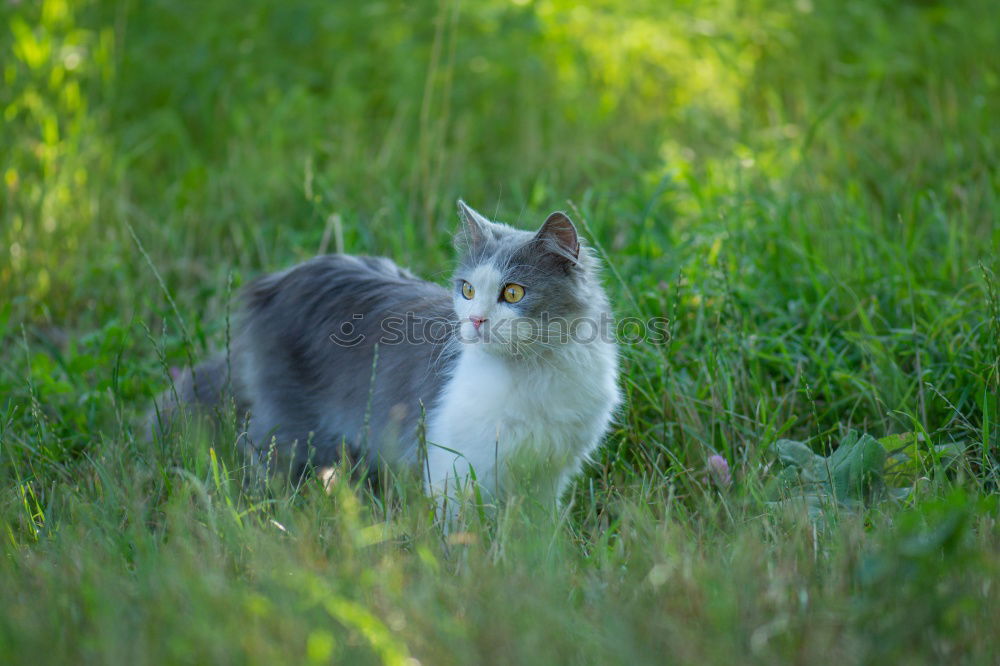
(202, 390)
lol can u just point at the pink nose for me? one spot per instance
(477, 321)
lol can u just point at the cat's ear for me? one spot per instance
(559, 236)
(475, 228)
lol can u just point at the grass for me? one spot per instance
(808, 191)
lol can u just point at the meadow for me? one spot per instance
(808, 191)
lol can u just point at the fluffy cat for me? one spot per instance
(514, 367)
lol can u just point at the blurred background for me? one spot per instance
(808, 189)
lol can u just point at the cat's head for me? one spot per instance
(519, 293)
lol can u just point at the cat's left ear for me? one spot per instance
(560, 237)
(475, 228)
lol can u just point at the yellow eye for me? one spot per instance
(512, 293)
(468, 290)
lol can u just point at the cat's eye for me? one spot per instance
(468, 290)
(512, 293)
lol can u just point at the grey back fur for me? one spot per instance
(325, 361)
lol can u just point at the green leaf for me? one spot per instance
(910, 456)
(857, 466)
(791, 452)
(850, 476)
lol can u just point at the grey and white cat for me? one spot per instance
(342, 352)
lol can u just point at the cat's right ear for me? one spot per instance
(475, 228)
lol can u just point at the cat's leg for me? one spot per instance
(457, 484)
(441, 482)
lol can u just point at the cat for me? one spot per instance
(513, 371)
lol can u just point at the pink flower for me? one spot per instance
(718, 470)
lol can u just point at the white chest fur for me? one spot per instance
(554, 409)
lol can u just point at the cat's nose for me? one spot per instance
(477, 321)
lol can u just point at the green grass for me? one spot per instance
(809, 192)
